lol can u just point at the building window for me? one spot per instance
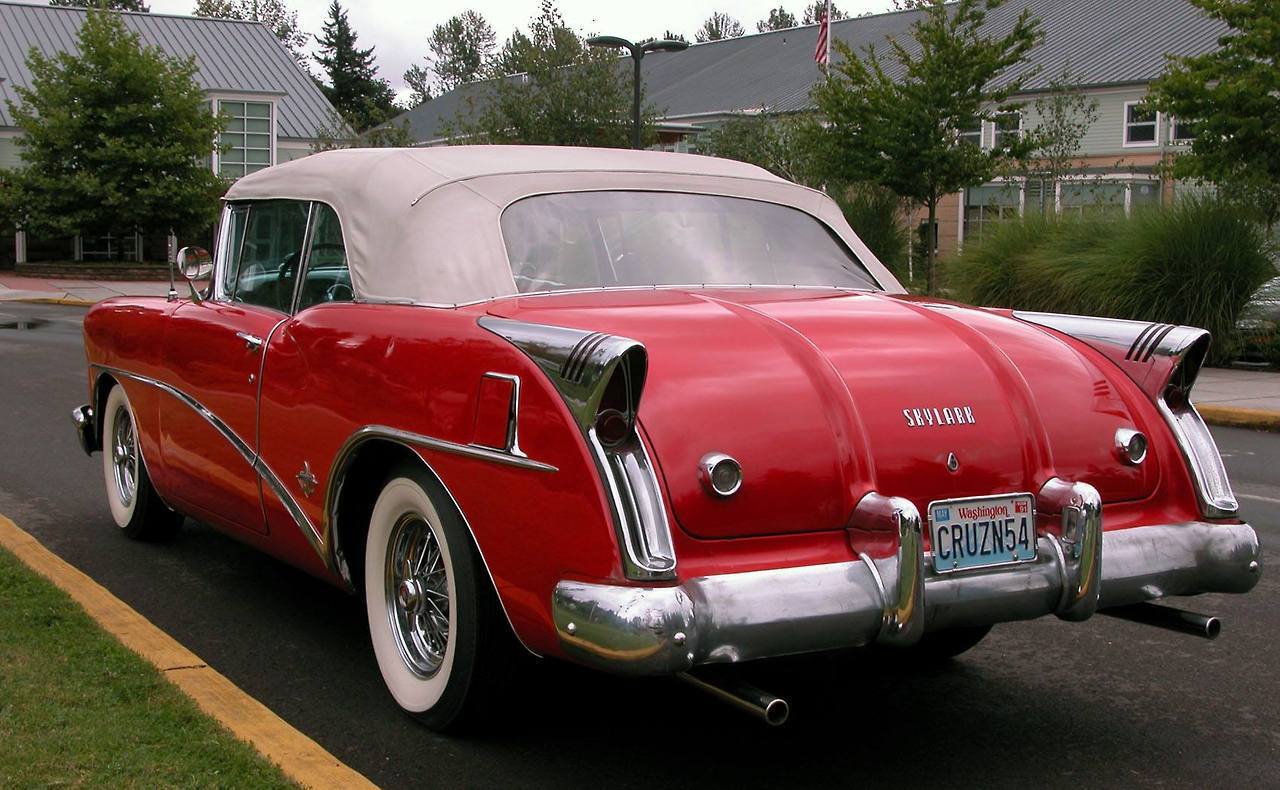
(989, 204)
(246, 144)
(1006, 129)
(971, 133)
(1092, 197)
(1140, 124)
(111, 247)
(1181, 131)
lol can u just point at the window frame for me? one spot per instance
(304, 266)
(1125, 124)
(994, 123)
(220, 260)
(1174, 139)
(272, 101)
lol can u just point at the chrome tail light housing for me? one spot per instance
(1164, 360)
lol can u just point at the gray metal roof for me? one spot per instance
(1105, 42)
(232, 56)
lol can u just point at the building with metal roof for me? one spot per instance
(277, 109)
(1113, 50)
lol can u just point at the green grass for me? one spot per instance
(77, 708)
(1196, 263)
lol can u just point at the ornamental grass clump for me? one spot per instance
(1195, 262)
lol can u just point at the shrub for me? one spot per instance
(1196, 262)
(875, 214)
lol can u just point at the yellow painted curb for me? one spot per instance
(54, 300)
(301, 759)
(1234, 417)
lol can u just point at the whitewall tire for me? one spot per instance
(431, 621)
(135, 506)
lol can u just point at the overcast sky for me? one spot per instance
(399, 28)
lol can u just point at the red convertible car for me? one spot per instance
(646, 412)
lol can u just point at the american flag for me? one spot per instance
(822, 52)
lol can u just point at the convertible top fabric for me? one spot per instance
(422, 225)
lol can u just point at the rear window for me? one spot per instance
(617, 238)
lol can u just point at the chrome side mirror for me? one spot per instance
(196, 264)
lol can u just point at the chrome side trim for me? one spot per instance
(309, 531)
(453, 448)
(512, 444)
(760, 614)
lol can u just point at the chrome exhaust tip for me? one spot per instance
(769, 708)
(1168, 617)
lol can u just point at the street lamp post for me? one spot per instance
(638, 51)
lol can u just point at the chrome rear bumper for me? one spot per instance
(761, 614)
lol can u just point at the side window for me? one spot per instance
(328, 278)
(271, 253)
(229, 255)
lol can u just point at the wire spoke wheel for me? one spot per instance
(417, 595)
(124, 455)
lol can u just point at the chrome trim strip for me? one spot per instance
(453, 448)
(639, 514)
(743, 616)
(309, 531)
(512, 444)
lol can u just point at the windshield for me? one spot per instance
(604, 239)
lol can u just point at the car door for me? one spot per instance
(215, 349)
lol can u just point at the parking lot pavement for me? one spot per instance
(1246, 389)
(79, 292)
(1044, 704)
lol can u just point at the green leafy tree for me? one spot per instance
(354, 88)
(897, 122)
(1051, 148)
(111, 5)
(461, 49)
(783, 145)
(779, 19)
(1231, 98)
(277, 16)
(718, 26)
(116, 137)
(418, 80)
(563, 93)
(813, 13)
(667, 36)
(550, 43)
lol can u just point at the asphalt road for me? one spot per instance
(1104, 703)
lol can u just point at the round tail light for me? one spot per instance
(612, 427)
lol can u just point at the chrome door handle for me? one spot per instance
(251, 342)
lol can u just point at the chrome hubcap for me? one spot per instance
(417, 590)
(124, 456)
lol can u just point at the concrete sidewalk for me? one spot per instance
(82, 292)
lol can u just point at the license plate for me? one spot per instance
(980, 532)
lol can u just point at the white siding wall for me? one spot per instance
(1106, 135)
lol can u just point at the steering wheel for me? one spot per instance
(334, 293)
(288, 266)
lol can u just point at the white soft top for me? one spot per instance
(423, 224)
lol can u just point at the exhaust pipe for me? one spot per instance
(1180, 620)
(745, 697)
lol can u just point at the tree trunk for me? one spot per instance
(931, 248)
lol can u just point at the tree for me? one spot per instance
(783, 145)
(282, 22)
(461, 49)
(564, 92)
(111, 5)
(354, 88)
(550, 43)
(116, 137)
(1231, 99)
(779, 19)
(813, 13)
(1051, 148)
(418, 80)
(898, 122)
(669, 35)
(718, 26)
